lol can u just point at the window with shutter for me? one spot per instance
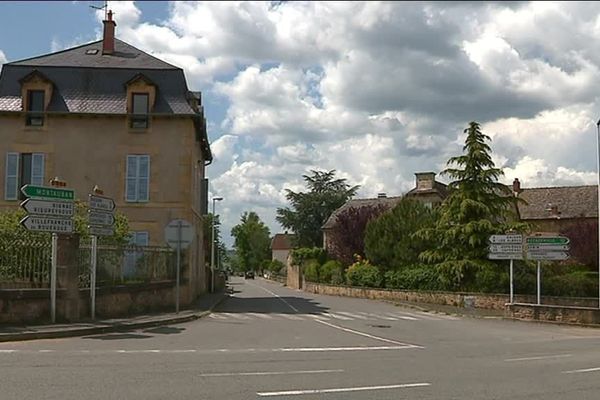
(137, 178)
(11, 178)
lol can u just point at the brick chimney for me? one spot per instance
(516, 186)
(108, 40)
(425, 180)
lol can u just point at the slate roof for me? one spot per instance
(387, 202)
(438, 187)
(282, 241)
(572, 202)
(124, 56)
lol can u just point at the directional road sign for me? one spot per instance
(548, 247)
(101, 230)
(171, 233)
(505, 256)
(100, 218)
(42, 192)
(548, 255)
(48, 207)
(47, 224)
(548, 240)
(506, 239)
(101, 203)
(506, 248)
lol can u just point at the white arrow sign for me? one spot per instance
(101, 231)
(101, 218)
(101, 203)
(506, 248)
(548, 255)
(505, 256)
(48, 207)
(506, 239)
(47, 224)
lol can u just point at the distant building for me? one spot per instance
(552, 209)
(281, 245)
(108, 114)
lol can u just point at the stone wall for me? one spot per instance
(473, 300)
(550, 313)
(294, 275)
(22, 306)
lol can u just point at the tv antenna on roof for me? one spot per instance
(104, 7)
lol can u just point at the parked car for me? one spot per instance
(249, 275)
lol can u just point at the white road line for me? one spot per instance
(217, 316)
(341, 390)
(317, 317)
(538, 357)
(276, 295)
(377, 316)
(350, 348)
(46, 351)
(341, 328)
(289, 316)
(259, 315)
(336, 316)
(353, 315)
(236, 316)
(8, 351)
(578, 371)
(401, 316)
(316, 371)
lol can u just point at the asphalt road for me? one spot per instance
(267, 341)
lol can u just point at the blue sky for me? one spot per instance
(376, 90)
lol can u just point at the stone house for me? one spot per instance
(281, 245)
(427, 190)
(108, 114)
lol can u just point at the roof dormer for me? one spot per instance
(141, 97)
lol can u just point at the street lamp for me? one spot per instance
(598, 165)
(212, 244)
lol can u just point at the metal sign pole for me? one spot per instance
(53, 277)
(178, 266)
(93, 276)
(511, 282)
(538, 284)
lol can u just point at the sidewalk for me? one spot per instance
(203, 307)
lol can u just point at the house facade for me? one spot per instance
(109, 115)
(281, 246)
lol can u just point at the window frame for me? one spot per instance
(135, 179)
(36, 176)
(137, 118)
(35, 115)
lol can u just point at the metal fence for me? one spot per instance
(121, 265)
(24, 263)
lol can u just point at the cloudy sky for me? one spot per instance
(377, 91)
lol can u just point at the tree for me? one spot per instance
(348, 234)
(390, 241)
(310, 210)
(252, 241)
(477, 207)
(207, 222)
(584, 242)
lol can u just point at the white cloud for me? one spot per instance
(3, 59)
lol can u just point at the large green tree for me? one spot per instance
(310, 210)
(252, 241)
(390, 241)
(477, 207)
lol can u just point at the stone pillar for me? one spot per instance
(67, 274)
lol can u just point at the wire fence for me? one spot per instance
(24, 263)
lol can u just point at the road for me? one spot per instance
(267, 341)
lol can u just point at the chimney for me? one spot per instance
(108, 40)
(425, 180)
(516, 186)
(381, 195)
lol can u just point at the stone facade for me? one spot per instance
(551, 313)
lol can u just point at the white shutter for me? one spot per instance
(141, 238)
(11, 177)
(131, 178)
(143, 178)
(37, 169)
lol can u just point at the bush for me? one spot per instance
(332, 272)
(273, 266)
(415, 277)
(303, 254)
(311, 271)
(363, 274)
(574, 284)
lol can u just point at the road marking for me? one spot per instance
(341, 390)
(538, 357)
(217, 316)
(276, 295)
(316, 371)
(289, 316)
(236, 316)
(341, 328)
(577, 371)
(352, 348)
(405, 317)
(336, 316)
(377, 316)
(46, 351)
(8, 351)
(317, 316)
(258, 315)
(353, 315)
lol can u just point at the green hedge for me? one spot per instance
(362, 273)
(303, 254)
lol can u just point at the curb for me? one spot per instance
(108, 328)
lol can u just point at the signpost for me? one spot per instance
(101, 221)
(179, 234)
(50, 209)
(507, 247)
